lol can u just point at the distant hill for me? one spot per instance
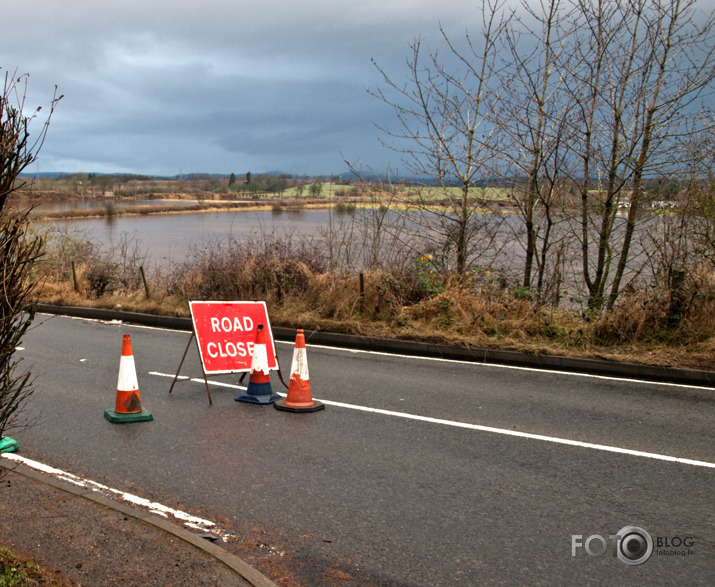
(127, 176)
(368, 176)
(45, 174)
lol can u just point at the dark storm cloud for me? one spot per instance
(217, 86)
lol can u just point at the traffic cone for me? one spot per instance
(128, 406)
(7, 444)
(299, 399)
(259, 384)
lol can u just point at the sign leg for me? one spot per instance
(183, 358)
(186, 350)
(206, 381)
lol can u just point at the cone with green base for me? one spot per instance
(299, 398)
(119, 418)
(7, 444)
(128, 406)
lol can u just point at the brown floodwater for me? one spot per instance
(168, 238)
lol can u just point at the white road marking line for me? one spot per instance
(503, 431)
(198, 380)
(152, 506)
(500, 366)
(418, 358)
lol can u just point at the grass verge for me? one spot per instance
(412, 302)
(16, 570)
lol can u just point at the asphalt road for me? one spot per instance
(459, 494)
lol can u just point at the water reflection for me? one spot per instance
(102, 203)
(169, 238)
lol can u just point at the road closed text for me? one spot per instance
(225, 349)
(226, 334)
(229, 349)
(237, 324)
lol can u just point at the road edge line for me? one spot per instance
(236, 564)
(651, 373)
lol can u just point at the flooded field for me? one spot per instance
(163, 239)
(101, 204)
(169, 238)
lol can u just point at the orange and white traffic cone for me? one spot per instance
(259, 384)
(299, 398)
(128, 405)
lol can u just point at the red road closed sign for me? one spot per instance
(226, 334)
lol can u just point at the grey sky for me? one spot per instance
(218, 86)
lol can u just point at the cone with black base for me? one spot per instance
(299, 398)
(259, 384)
(7, 444)
(128, 405)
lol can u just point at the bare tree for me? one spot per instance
(644, 64)
(19, 249)
(445, 134)
(17, 150)
(699, 188)
(534, 130)
(581, 103)
(19, 253)
(370, 237)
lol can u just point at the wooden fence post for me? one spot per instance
(146, 285)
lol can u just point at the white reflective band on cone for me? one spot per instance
(127, 380)
(299, 366)
(260, 359)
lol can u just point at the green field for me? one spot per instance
(492, 194)
(428, 193)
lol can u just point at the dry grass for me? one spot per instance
(542, 332)
(300, 291)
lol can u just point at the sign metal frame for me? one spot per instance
(212, 323)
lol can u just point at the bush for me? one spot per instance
(99, 270)
(266, 270)
(64, 245)
(20, 250)
(685, 315)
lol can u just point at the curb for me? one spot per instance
(421, 349)
(239, 566)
